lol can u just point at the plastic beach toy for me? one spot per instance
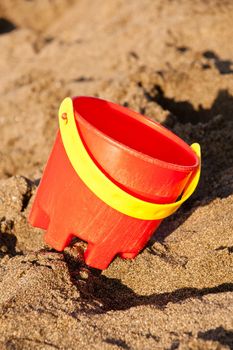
(111, 178)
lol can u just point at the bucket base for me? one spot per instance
(97, 255)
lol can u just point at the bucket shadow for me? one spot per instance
(105, 294)
(100, 294)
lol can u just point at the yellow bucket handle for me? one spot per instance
(101, 185)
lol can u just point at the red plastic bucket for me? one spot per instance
(137, 155)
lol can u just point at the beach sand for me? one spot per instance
(172, 61)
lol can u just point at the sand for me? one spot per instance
(173, 61)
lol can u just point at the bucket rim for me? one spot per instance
(145, 121)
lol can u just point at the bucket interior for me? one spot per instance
(137, 132)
